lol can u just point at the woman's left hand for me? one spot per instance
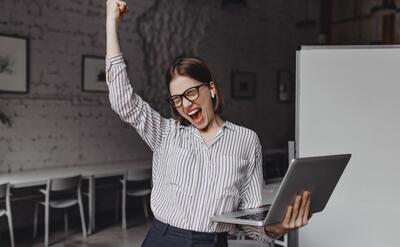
(296, 215)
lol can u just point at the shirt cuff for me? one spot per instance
(115, 60)
(118, 55)
(272, 235)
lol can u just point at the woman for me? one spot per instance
(202, 165)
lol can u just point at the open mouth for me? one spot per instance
(196, 115)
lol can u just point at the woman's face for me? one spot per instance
(199, 112)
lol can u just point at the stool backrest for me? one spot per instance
(138, 174)
(65, 183)
(3, 190)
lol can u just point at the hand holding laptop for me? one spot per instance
(296, 215)
(292, 207)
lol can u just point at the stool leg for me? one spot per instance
(10, 225)
(9, 215)
(82, 215)
(92, 208)
(123, 209)
(46, 224)
(11, 228)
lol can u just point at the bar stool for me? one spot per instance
(135, 176)
(5, 197)
(61, 193)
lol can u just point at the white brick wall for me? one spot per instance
(56, 124)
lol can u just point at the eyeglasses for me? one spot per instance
(190, 94)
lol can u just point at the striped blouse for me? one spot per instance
(192, 180)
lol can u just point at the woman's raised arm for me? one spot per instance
(124, 101)
(115, 10)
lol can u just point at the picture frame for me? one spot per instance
(284, 86)
(93, 74)
(243, 85)
(14, 64)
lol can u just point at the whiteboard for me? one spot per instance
(348, 101)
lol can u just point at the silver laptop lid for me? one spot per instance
(319, 175)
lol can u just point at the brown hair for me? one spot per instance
(196, 69)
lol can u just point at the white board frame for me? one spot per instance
(352, 218)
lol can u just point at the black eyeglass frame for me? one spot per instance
(170, 99)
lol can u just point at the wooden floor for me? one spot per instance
(108, 233)
(111, 236)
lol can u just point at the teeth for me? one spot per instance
(193, 112)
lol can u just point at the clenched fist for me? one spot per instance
(116, 9)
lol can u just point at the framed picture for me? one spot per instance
(14, 74)
(243, 85)
(284, 86)
(93, 74)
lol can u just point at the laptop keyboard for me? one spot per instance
(256, 216)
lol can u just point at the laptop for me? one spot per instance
(319, 175)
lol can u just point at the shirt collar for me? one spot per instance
(226, 124)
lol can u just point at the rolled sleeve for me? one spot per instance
(131, 108)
